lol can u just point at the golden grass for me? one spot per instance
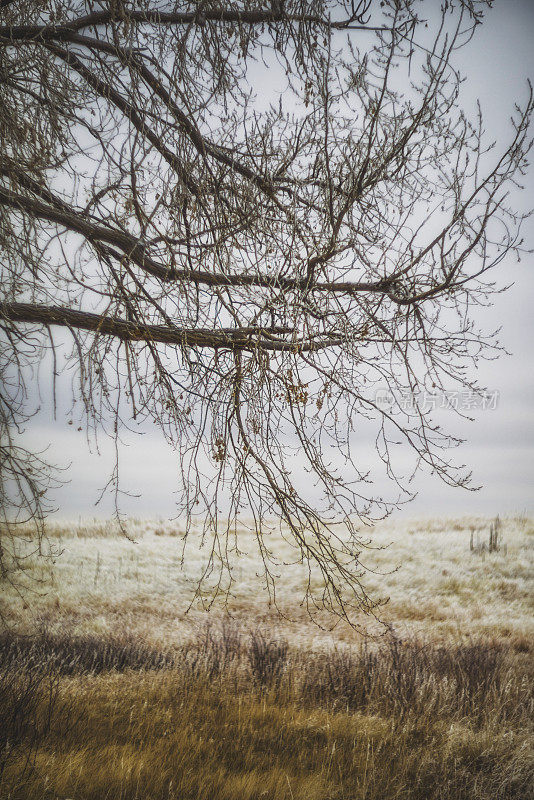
(433, 724)
(144, 737)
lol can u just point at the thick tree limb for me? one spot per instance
(250, 338)
(157, 17)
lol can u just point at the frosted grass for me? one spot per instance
(100, 581)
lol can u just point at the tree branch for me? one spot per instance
(157, 17)
(136, 251)
(249, 338)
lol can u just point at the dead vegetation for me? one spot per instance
(240, 714)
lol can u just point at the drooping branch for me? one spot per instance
(249, 268)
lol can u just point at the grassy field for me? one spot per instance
(109, 689)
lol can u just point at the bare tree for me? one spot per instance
(246, 267)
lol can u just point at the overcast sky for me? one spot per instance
(500, 443)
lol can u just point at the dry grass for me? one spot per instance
(236, 716)
(109, 690)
